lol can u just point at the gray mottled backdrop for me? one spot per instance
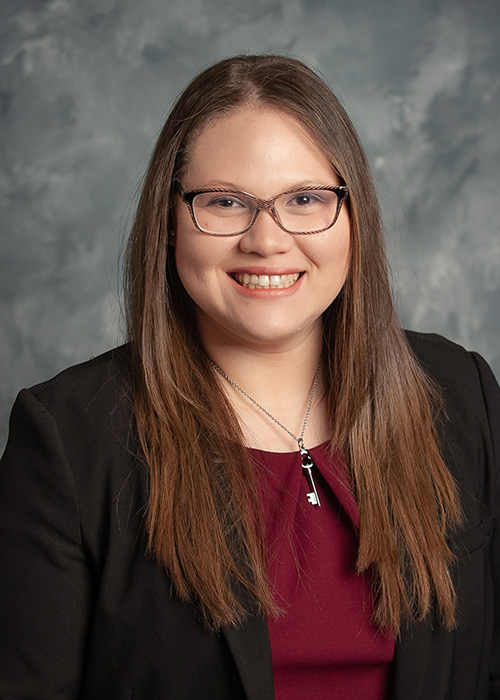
(85, 85)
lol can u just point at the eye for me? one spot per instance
(305, 199)
(224, 202)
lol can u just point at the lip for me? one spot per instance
(256, 270)
(266, 282)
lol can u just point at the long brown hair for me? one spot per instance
(203, 516)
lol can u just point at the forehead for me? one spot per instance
(259, 146)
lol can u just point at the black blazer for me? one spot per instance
(84, 613)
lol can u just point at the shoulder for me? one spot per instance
(437, 353)
(76, 429)
(84, 411)
(470, 428)
(464, 379)
(110, 365)
(97, 384)
(72, 470)
(455, 370)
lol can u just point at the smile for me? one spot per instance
(266, 281)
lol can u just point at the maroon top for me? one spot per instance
(324, 645)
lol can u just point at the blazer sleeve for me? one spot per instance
(491, 393)
(45, 582)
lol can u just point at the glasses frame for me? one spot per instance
(187, 197)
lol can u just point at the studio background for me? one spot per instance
(85, 86)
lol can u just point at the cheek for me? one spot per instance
(189, 249)
(198, 258)
(333, 253)
(188, 262)
(197, 255)
(343, 246)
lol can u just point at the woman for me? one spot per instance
(271, 490)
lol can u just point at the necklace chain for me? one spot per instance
(307, 462)
(299, 439)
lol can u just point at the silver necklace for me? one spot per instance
(307, 461)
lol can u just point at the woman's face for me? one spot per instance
(264, 152)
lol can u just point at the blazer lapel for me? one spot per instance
(251, 650)
(410, 661)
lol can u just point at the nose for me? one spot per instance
(266, 238)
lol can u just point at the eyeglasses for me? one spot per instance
(231, 213)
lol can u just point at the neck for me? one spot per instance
(280, 382)
(273, 377)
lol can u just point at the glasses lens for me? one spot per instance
(224, 213)
(307, 211)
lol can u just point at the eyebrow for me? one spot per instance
(302, 185)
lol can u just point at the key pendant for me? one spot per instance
(307, 465)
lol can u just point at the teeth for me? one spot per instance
(266, 281)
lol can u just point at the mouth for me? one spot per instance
(250, 281)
